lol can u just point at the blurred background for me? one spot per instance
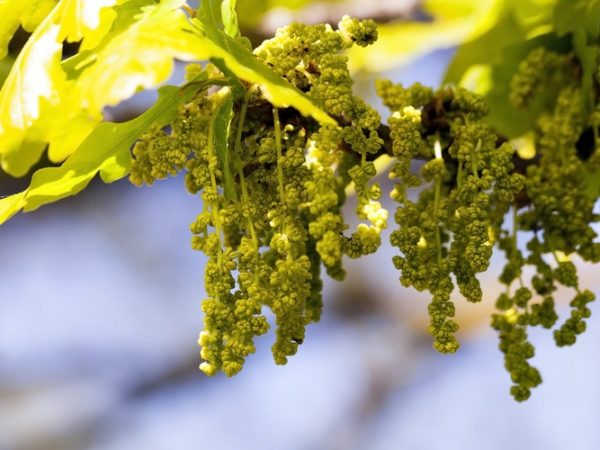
(100, 312)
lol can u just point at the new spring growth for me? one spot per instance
(271, 185)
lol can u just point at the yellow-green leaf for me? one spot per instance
(10, 205)
(34, 82)
(36, 102)
(230, 20)
(80, 18)
(28, 13)
(452, 23)
(105, 151)
(143, 51)
(5, 66)
(251, 12)
(40, 105)
(214, 43)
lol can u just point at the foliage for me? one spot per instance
(450, 24)
(273, 138)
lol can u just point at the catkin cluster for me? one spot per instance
(268, 233)
(272, 185)
(557, 214)
(451, 210)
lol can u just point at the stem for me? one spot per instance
(515, 228)
(474, 160)
(246, 200)
(594, 128)
(277, 126)
(242, 119)
(280, 170)
(238, 150)
(459, 174)
(215, 203)
(436, 204)
(243, 185)
(555, 256)
(189, 10)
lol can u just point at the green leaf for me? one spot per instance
(580, 19)
(209, 12)
(229, 16)
(221, 123)
(105, 151)
(5, 66)
(516, 21)
(28, 13)
(587, 55)
(571, 16)
(591, 177)
(486, 49)
(498, 51)
(510, 121)
(240, 60)
(494, 58)
(237, 87)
